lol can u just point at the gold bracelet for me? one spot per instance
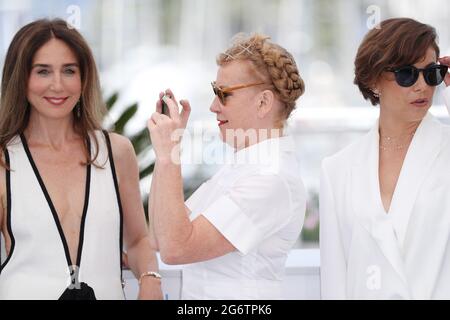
(149, 274)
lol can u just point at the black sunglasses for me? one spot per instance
(407, 76)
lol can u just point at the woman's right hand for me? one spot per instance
(166, 131)
(186, 108)
(446, 62)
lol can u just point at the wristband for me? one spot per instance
(149, 274)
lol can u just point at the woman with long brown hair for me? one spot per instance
(69, 191)
(384, 201)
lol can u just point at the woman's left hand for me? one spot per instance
(166, 131)
(446, 62)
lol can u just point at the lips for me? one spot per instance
(420, 102)
(56, 101)
(222, 122)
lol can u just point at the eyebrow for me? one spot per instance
(42, 65)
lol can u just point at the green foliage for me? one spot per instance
(140, 140)
(111, 101)
(310, 231)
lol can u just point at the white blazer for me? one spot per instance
(368, 254)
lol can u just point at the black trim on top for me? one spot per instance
(52, 207)
(8, 210)
(85, 208)
(119, 202)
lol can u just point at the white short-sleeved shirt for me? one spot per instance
(257, 201)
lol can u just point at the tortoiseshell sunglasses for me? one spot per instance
(223, 93)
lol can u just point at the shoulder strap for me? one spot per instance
(116, 186)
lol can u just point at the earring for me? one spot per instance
(376, 93)
(78, 109)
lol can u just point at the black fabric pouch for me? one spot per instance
(83, 293)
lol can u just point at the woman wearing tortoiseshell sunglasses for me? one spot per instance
(237, 228)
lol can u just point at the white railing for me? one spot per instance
(302, 280)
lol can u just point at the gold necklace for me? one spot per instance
(396, 147)
(391, 142)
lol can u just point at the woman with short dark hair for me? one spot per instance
(385, 205)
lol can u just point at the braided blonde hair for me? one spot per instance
(272, 64)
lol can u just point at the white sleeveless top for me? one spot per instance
(37, 266)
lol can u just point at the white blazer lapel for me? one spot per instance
(367, 203)
(418, 161)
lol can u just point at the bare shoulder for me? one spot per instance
(121, 146)
(2, 177)
(123, 152)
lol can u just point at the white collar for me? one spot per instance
(264, 152)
